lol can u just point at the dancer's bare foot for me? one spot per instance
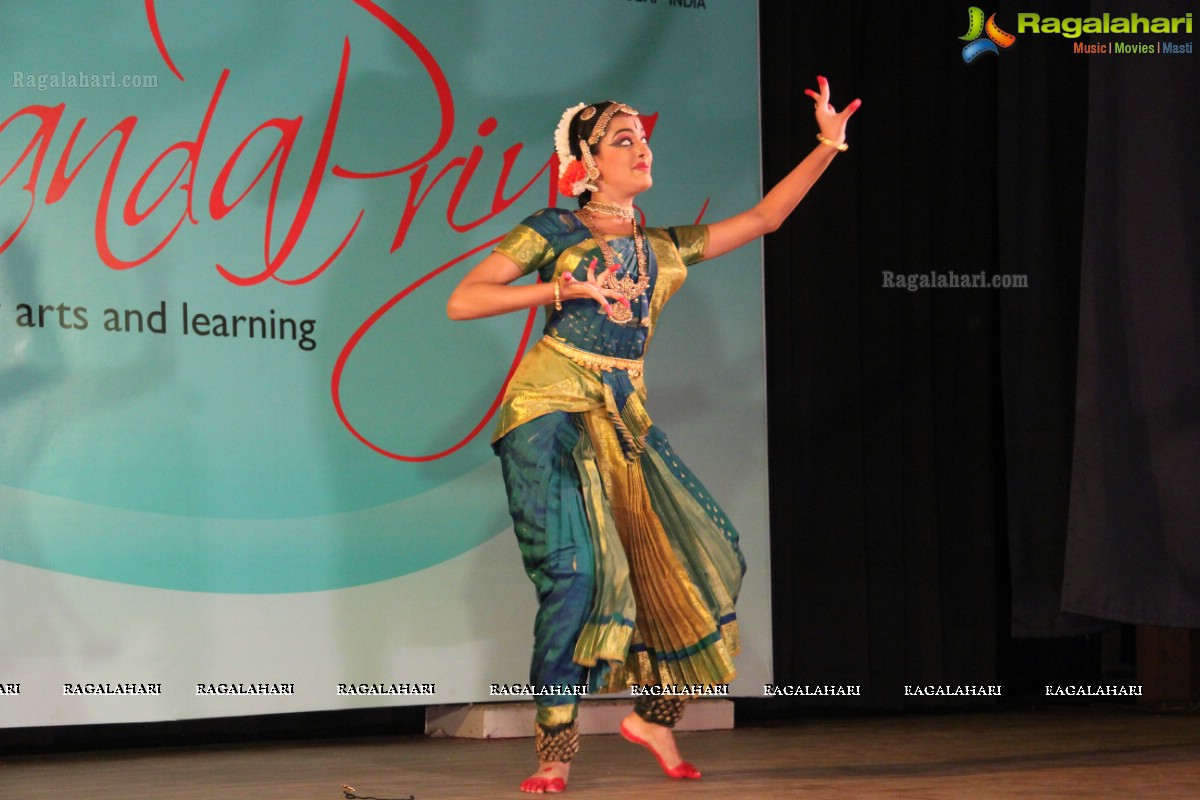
(550, 777)
(660, 741)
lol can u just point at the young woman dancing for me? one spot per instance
(636, 567)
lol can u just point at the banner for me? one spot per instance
(241, 445)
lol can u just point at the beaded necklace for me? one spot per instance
(596, 207)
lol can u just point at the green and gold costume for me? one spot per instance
(636, 567)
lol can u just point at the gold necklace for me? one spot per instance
(624, 286)
(596, 207)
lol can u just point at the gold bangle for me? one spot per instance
(557, 295)
(841, 148)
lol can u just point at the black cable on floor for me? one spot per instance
(349, 792)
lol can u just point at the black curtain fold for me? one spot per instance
(1040, 186)
(1133, 546)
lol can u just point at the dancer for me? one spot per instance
(635, 566)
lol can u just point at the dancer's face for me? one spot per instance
(624, 158)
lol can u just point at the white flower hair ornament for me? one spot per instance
(573, 177)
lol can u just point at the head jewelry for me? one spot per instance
(574, 177)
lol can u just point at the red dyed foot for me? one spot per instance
(546, 780)
(682, 770)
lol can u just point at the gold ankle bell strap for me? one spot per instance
(559, 743)
(665, 711)
(594, 361)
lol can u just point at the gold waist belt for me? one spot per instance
(595, 361)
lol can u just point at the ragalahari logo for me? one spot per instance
(976, 27)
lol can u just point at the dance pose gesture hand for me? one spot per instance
(829, 120)
(571, 287)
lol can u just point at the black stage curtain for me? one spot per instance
(921, 442)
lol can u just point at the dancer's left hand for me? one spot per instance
(830, 120)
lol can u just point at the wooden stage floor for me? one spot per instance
(1035, 755)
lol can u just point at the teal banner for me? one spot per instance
(227, 236)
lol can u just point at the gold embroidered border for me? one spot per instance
(595, 361)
